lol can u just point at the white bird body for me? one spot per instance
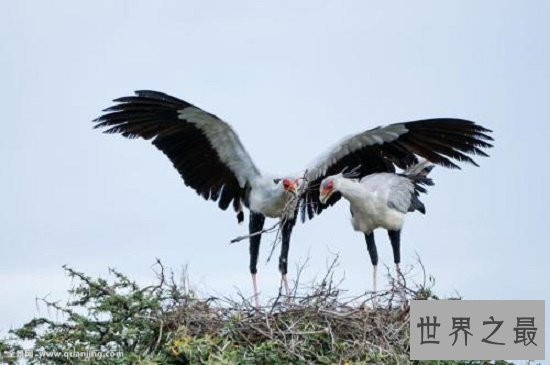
(373, 200)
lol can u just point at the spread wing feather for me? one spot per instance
(443, 141)
(204, 149)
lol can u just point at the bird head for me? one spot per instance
(327, 188)
(290, 185)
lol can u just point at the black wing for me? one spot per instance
(441, 141)
(204, 149)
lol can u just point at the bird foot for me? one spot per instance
(374, 302)
(256, 293)
(403, 302)
(287, 288)
(374, 291)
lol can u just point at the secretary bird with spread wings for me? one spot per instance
(211, 159)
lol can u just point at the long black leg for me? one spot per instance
(256, 224)
(395, 239)
(288, 225)
(371, 247)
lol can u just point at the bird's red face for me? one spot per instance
(290, 185)
(327, 189)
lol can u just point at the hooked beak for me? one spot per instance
(292, 188)
(325, 194)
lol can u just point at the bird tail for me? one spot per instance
(418, 175)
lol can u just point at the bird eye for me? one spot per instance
(276, 181)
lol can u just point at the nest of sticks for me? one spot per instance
(315, 323)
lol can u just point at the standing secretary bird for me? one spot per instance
(210, 158)
(381, 200)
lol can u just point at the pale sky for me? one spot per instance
(292, 79)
